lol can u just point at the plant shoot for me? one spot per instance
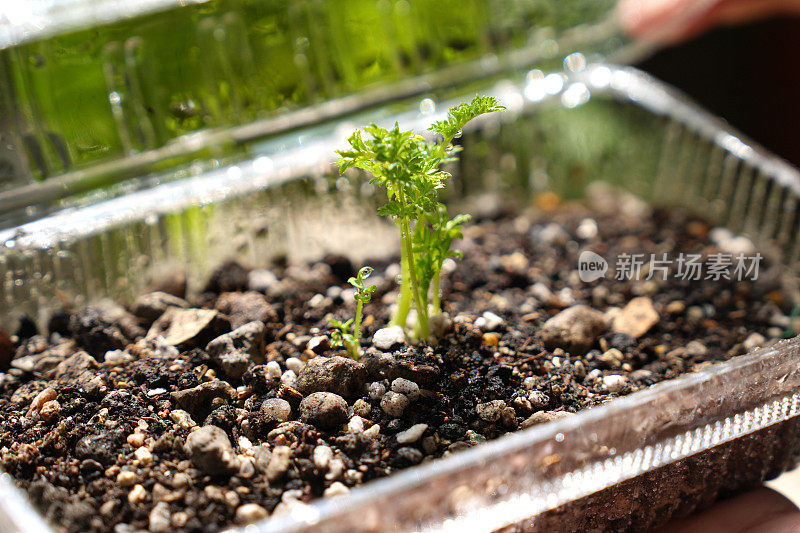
(407, 168)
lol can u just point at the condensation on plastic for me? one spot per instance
(124, 95)
(111, 248)
(21, 22)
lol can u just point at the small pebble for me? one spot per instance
(288, 378)
(406, 387)
(611, 358)
(412, 434)
(210, 450)
(410, 455)
(675, 307)
(538, 399)
(362, 408)
(182, 419)
(294, 364)
(490, 411)
(636, 318)
(394, 403)
(278, 463)
(574, 329)
(543, 417)
(180, 518)
(440, 324)
(276, 410)
(614, 383)
(50, 410)
(318, 345)
(143, 455)
(107, 509)
(356, 425)
(753, 341)
(322, 456)
(260, 280)
(181, 480)
(126, 479)
(325, 410)
(274, 369)
(42, 398)
(491, 338)
(137, 495)
(376, 390)
(336, 489)
(135, 439)
(159, 518)
(373, 431)
(696, 348)
(250, 512)
(489, 321)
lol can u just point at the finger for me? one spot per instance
(762, 510)
(663, 20)
(670, 21)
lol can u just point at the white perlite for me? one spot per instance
(387, 338)
(394, 403)
(376, 390)
(356, 425)
(288, 378)
(406, 387)
(159, 519)
(322, 456)
(295, 365)
(373, 431)
(182, 419)
(143, 455)
(489, 321)
(278, 463)
(412, 434)
(274, 369)
(250, 512)
(337, 488)
(614, 383)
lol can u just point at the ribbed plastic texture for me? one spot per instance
(656, 453)
(81, 109)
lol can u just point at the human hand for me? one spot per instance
(760, 511)
(672, 21)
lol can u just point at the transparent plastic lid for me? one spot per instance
(93, 93)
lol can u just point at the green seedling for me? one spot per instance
(407, 168)
(343, 335)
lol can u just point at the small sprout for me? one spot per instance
(343, 335)
(407, 168)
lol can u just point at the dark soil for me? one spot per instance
(100, 415)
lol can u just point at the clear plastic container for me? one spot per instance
(631, 463)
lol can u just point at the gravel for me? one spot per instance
(339, 375)
(211, 450)
(636, 318)
(412, 434)
(489, 321)
(394, 403)
(250, 512)
(575, 329)
(276, 410)
(324, 409)
(406, 387)
(615, 383)
(236, 350)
